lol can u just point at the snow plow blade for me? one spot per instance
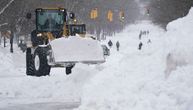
(76, 49)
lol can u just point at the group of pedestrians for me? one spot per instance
(143, 35)
(110, 44)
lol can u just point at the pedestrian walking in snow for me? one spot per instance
(140, 36)
(140, 45)
(117, 45)
(110, 44)
(149, 41)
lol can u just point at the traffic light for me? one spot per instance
(94, 13)
(72, 15)
(110, 16)
(147, 11)
(121, 16)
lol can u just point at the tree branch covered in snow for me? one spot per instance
(3, 24)
(6, 6)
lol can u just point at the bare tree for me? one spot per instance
(15, 14)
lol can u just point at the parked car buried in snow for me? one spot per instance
(106, 50)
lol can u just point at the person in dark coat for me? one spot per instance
(140, 36)
(140, 45)
(149, 41)
(110, 44)
(117, 45)
(50, 22)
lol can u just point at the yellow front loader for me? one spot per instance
(59, 41)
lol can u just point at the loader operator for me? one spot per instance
(50, 22)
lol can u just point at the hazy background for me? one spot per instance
(15, 14)
(159, 11)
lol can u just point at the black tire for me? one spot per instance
(44, 68)
(69, 69)
(29, 63)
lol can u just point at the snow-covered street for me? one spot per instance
(130, 79)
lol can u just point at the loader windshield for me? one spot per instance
(50, 20)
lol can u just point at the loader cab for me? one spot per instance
(50, 20)
(77, 29)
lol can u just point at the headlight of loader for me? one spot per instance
(39, 35)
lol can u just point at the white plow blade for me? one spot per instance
(77, 49)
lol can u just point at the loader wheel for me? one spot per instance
(69, 69)
(41, 67)
(29, 63)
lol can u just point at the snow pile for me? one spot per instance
(77, 49)
(179, 34)
(136, 80)
(179, 42)
(182, 24)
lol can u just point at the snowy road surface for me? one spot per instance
(44, 106)
(54, 92)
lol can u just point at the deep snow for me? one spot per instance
(136, 80)
(130, 79)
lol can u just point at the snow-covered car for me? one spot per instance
(106, 50)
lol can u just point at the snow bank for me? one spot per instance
(127, 80)
(135, 79)
(182, 25)
(179, 33)
(179, 42)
